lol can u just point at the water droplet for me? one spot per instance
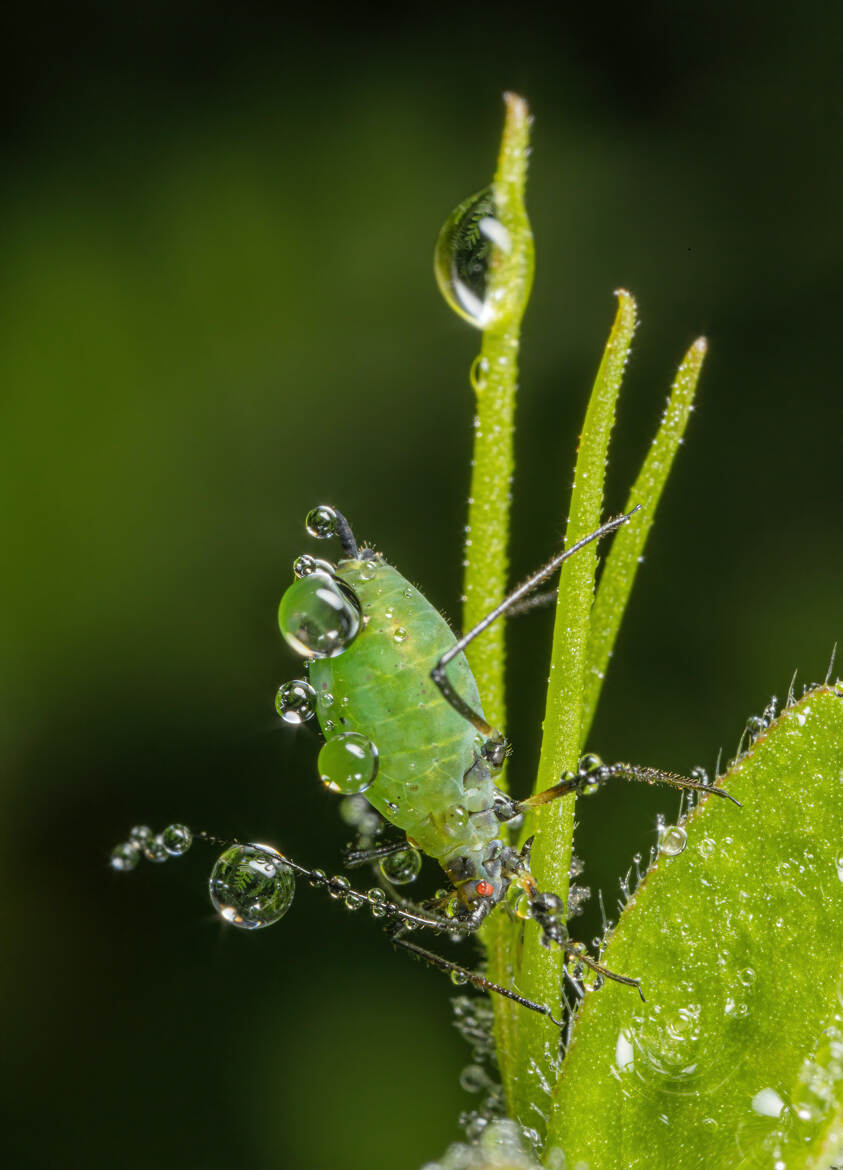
(459, 978)
(402, 867)
(673, 841)
(325, 700)
(478, 372)
(338, 886)
(155, 850)
(839, 866)
(624, 1051)
(465, 257)
(474, 1078)
(295, 701)
(400, 634)
(368, 570)
(457, 818)
(177, 839)
(522, 905)
(139, 835)
(304, 565)
(353, 901)
(318, 877)
(250, 886)
(124, 857)
(589, 763)
(377, 902)
(318, 616)
(747, 976)
(706, 847)
(321, 522)
(348, 763)
(767, 1103)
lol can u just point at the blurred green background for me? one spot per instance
(216, 310)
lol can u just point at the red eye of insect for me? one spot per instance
(485, 889)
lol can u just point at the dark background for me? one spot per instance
(216, 310)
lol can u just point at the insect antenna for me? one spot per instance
(541, 575)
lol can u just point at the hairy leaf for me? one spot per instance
(736, 1058)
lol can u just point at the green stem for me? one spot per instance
(541, 971)
(494, 376)
(624, 557)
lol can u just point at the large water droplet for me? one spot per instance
(295, 701)
(251, 887)
(318, 616)
(465, 257)
(402, 867)
(348, 763)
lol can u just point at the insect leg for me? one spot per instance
(588, 779)
(472, 977)
(354, 857)
(509, 602)
(548, 912)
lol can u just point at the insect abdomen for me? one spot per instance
(382, 688)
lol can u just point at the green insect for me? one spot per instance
(402, 720)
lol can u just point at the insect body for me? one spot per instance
(401, 714)
(432, 780)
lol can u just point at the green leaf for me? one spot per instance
(736, 1059)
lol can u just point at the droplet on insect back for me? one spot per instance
(295, 701)
(177, 839)
(124, 857)
(318, 617)
(402, 867)
(464, 258)
(348, 763)
(673, 841)
(251, 887)
(321, 522)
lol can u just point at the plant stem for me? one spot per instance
(494, 376)
(623, 560)
(541, 971)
